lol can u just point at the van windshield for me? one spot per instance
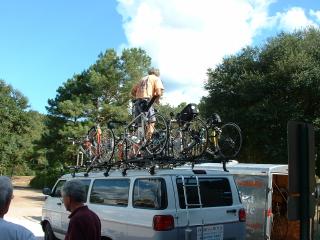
(214, 192)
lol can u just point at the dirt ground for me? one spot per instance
(25, 208)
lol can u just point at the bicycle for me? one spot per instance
(225, 140)
(188, 134)
(96, 148)
(142, 137)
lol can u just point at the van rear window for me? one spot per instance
(150, 193)
(214, 192)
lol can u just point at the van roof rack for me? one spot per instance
(149, 162)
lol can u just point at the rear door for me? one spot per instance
(218, 217)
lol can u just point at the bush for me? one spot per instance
(45, 179)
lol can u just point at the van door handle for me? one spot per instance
(232, 211)
(59, 203)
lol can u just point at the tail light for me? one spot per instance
(163, 222)
(242, 215)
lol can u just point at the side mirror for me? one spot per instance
(46, 191)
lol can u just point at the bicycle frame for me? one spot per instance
(144, 122)
(184, 147)
(215, 134)
(141, 140)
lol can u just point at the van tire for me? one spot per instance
(48, 233)
(105, 238)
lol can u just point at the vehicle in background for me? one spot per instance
(264, 191)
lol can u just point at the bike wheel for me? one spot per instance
(229, 140)
(158, 140)
(107, 145)
(194, 138)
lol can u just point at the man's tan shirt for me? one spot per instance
(148, 87)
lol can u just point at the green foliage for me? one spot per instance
(166, 109)
(98, 94)
(261, 89)
(19, 130)
(46, 178)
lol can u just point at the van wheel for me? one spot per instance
(48, 233)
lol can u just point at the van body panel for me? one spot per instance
(133, 221)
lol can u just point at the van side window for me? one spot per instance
(114, 192)
(58, 188)
(214, 192)
(87, 185)
(150, 193)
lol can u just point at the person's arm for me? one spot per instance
(158, 90)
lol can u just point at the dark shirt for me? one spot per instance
(84, 225)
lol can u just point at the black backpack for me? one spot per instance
(188, 113)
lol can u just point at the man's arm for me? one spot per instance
(158, 90)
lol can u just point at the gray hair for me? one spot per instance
(75, 189)
(6, 191)
(154, 71)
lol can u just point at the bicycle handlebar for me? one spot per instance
(153, 99)
(117, 122)
(111, 123)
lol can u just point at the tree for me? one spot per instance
(17, 129)
(263, 88)
(166, 109)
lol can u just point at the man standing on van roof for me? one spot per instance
(84, 224)
(8, 230)
(148, 87)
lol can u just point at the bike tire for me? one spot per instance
(107, 144)
(229, 140)
(195, 138)
(158, 141)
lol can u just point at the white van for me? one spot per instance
(168, 204)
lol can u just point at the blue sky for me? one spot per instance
(43, 43)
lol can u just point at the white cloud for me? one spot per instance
(294, 18)
(186, 37)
